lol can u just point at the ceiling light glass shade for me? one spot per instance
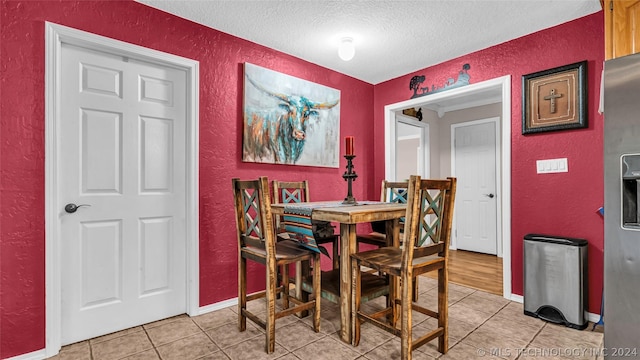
(346, 50)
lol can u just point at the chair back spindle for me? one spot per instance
(393, 192)
(431, 210)
(252, 200)
(287, 192)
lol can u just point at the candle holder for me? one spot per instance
(349, 176)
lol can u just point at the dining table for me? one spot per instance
(349, 216)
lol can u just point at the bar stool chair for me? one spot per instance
(298, 191)
(256, 242)
(429, 202)
(395, 192)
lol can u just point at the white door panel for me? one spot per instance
(122, 145)
(475, 150)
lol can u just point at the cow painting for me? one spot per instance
(279, 127)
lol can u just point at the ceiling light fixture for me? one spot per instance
(346, 50)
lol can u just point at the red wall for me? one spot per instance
(22, 234)
(561, 204)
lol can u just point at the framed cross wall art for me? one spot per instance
(555, 99)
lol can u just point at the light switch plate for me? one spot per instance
(552, 166)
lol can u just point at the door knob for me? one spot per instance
(71, 208)
(490, 196)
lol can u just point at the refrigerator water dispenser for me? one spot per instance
(630, 169)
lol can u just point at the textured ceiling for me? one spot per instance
(392, 37)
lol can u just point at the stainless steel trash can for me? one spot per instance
(555, 279)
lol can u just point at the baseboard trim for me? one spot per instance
(217, 306)
(594, 318)
(517, 298)
(34, 355)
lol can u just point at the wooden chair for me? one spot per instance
(256, 242)
(395, 192)
(295, 192)
(430, 202)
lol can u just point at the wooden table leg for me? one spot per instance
(347, 247)
(393, 239)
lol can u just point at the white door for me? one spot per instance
(411, 149)
(475, 157)
(122, 150)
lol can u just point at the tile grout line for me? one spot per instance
(533, 338)
(213, 341)
(177, 339)
(425, 320)
(90, 350)
(152, 344)
(477, 327)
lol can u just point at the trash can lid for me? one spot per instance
(556, 239)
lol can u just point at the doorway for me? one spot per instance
(412, 148)
(121, 185)
(487, 92)
(475, 161)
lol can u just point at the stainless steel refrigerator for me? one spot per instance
(621, 207)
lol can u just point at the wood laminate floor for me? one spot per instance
(475, 270)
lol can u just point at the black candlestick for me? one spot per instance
(349, 176)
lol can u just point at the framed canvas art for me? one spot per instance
(555, 99)
(289, 120)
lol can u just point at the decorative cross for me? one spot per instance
(552, 97)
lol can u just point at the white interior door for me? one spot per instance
(412, 149)
(122, 139)
(475, 156)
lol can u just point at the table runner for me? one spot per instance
(299, 226)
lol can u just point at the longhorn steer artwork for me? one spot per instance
(286, 126)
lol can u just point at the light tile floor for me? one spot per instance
(481, 325)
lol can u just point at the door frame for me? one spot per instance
(503, 84)
(424, 144)
(496, 121)
(55, 36)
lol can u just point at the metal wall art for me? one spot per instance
(418, 91)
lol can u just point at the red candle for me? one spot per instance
(349, 145)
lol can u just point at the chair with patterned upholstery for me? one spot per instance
(429, 216)
(256, 242)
